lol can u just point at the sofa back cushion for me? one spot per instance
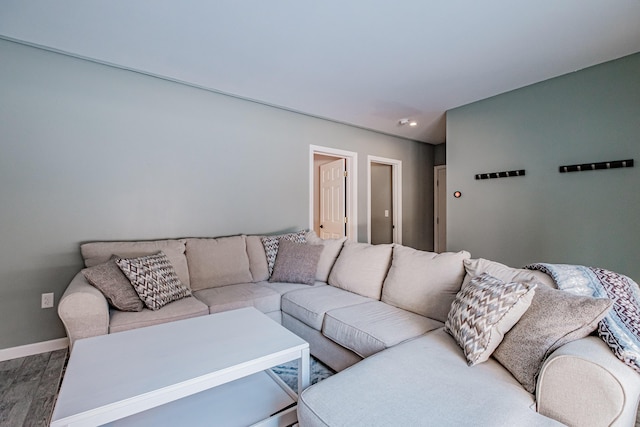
(257, 259)
(476, 267)
(218, 262)
(95, 253)
(332, 248)
(425, 283)
(361, 268)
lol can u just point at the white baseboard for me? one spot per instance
(35, 348)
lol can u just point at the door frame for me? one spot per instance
(351, 186)
(436, 208)
(396, 178)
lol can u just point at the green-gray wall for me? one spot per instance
(91, 152)
(589, 218)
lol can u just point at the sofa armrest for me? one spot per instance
(84, 310)
(583, 383)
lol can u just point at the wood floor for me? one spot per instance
(28, 388)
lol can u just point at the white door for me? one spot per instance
(332, 197)
(440, 209)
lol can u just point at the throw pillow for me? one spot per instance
(296, 263)
(553, 319)
(271, 244)
(114, 285)
(483, 312)
(620, 328)
(332, 248)
(154, 279)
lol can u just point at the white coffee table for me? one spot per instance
(209, 370)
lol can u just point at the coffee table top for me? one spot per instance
(121, 374)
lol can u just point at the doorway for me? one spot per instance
(440, 208)
(384, 200)
(333, 192)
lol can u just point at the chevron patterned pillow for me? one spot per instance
(154, 279)
(483, 312)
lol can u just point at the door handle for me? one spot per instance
(321, 226)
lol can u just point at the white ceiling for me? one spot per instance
(368, 63)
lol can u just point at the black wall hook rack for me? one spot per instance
(507, 174)
(615, 164)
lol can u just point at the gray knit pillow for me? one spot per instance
(114, 285)
(271, 244)
(553, 319)
(296, 263)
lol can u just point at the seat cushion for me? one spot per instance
(218, 262)
(371, 327)
(177, 310)
(309, 305)
(283, 288)
(425, 381)
(423, 282)
(237, 296)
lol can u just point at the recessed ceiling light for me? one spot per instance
(409, 122)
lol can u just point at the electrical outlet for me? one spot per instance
(47, 300)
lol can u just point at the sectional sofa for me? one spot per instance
(376, 315)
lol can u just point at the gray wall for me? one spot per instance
(589, 218)
(90, 152)
(440, 154)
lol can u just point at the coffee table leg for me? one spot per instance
(303, 371)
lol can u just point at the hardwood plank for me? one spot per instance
(17, 399)
(8, 372)
(41, 408)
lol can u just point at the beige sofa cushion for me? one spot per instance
(421, 382)
(371, 327)
(257, 259)
(475, 267)
(425, 283)
(95, 253)
(361, 268)
(224, 298)
(310, 305)
(332, 248)
(283, 288)
(177, 310)
(217, 262)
